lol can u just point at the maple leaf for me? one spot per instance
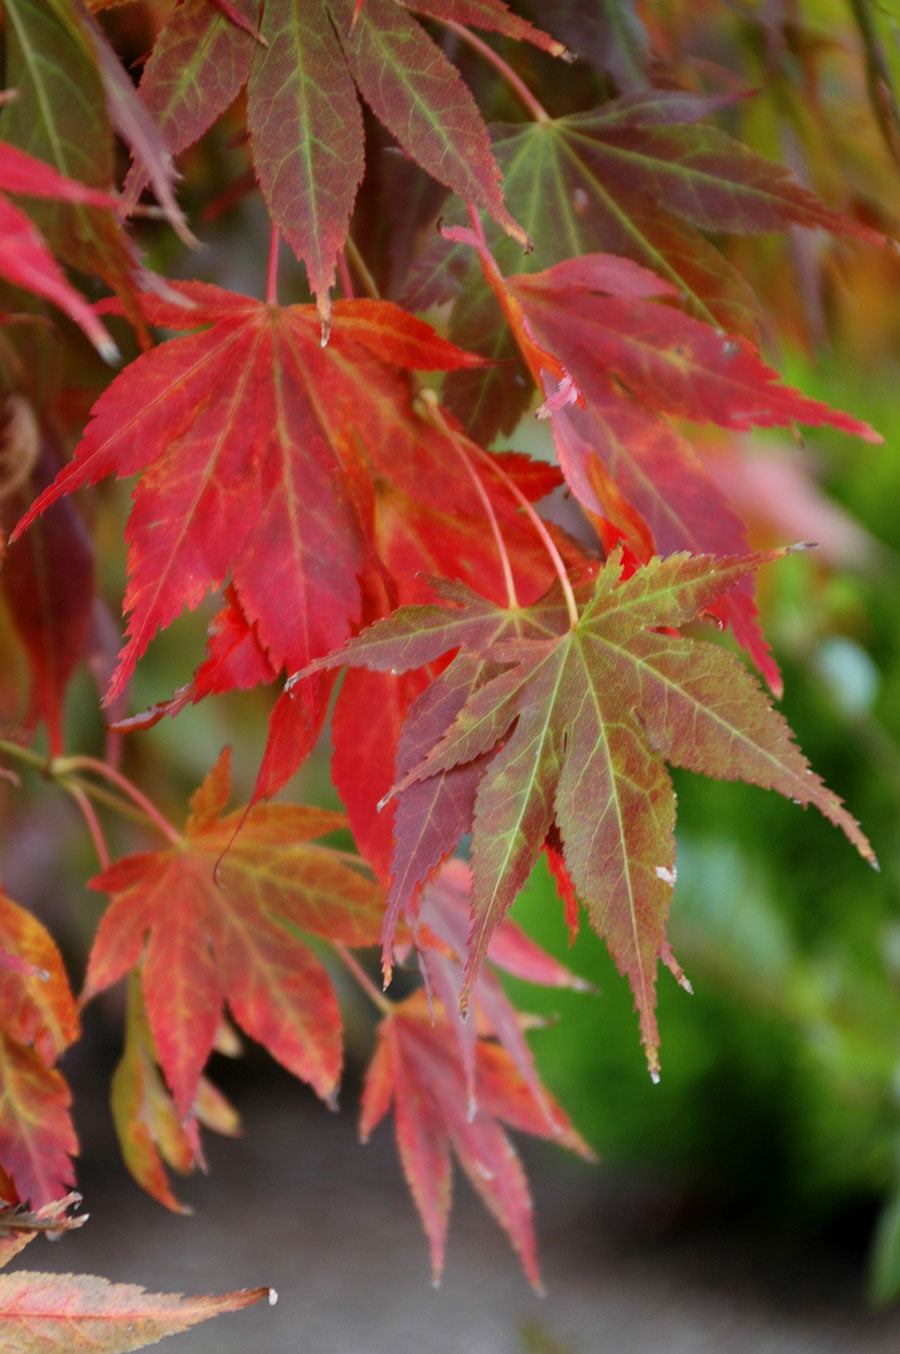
(418, 1066)
(199, 63)
(25, 259)
(608, 33)
(259, 450)
(19, 1226)
(303, 113)
(670, 361)
(422, 543)
(39, 1022)
(137, 128)
(212, 919)
(83, 1314)
(575, 724)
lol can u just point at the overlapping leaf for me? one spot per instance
(198, 66)
(616, 365)
(643, 177)
(210, 925)
(441, 937)
(265, 455)
(609, 33)
(304, 117)
(59, 116)
(575, 725)
(38, 1022)
(25, 259)
(152, 1135)
(70, 1313)
(418, 1067)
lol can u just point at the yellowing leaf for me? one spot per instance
(209, 919)
(81, 1314)
(38, 1021)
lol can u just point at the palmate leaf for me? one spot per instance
(295, 468)
(419, 1068)
(574, 726)
(70, 1313)
(25, 259)
(47, 580)
(152, 1134)
(206, 935)
(609, 33)
(199, 64)
(266, 455)
(441, 938)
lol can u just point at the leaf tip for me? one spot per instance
(109, 350)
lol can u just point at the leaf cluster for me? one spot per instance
(527, 641)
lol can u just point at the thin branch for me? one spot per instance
(61, 766)
(517, 85)
(88, 813)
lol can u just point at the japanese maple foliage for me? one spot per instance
(523, 637)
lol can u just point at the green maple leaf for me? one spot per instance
(575, 724)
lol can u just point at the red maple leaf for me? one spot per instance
(214, 918)
(418, 1066)
(25, 258)
(266, 456)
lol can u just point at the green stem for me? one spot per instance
(60, 769)
(25, 755)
